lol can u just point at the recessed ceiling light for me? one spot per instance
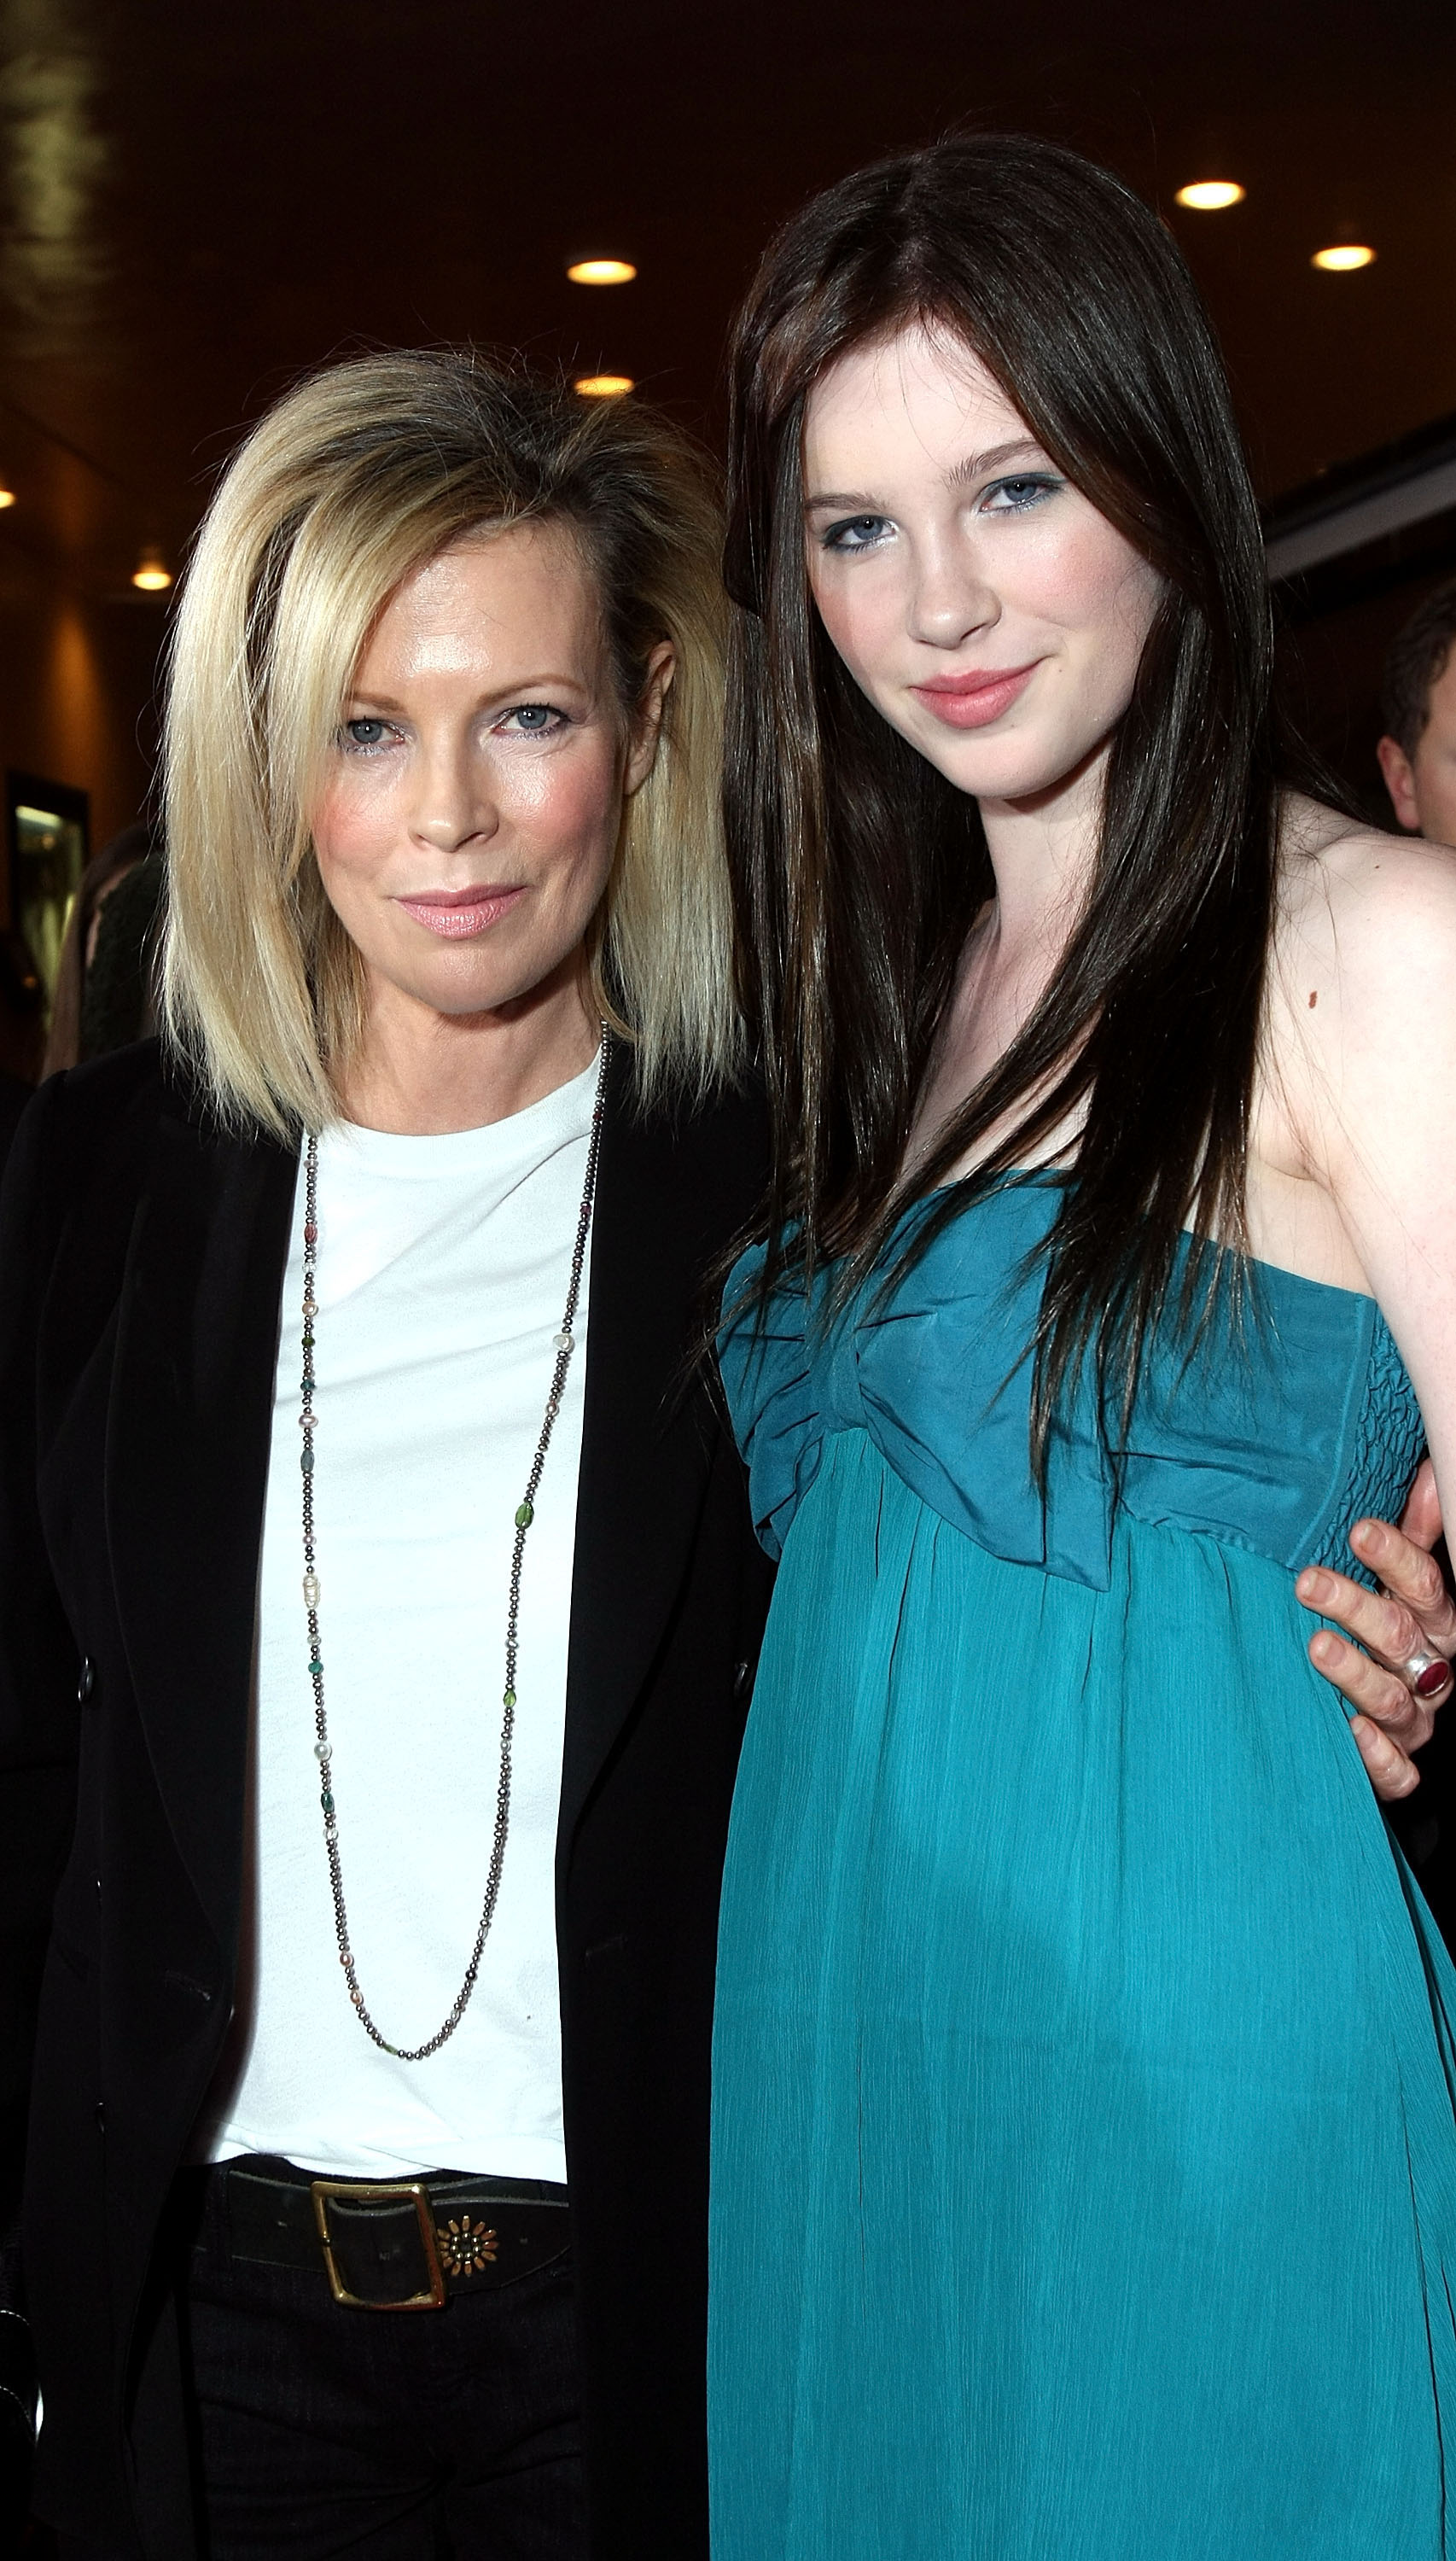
(151, 572)
(601, 271)
(1210, 195)
(1344, 259)
(604, 385)
(7, 494)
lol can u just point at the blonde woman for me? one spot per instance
(370, 1735)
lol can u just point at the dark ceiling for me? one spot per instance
(201, 200)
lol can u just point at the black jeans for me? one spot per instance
(394, 2435)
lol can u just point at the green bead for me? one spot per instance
(327, 1802)
(509, 1698)
(315, 1662)
(524, 1515)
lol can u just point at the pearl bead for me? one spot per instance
(564, 1343)
(311, 1590)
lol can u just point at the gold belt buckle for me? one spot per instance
(388, 2192)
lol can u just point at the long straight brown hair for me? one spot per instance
(858, 868)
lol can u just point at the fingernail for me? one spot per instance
(1363, 1534)
(1317, 1585)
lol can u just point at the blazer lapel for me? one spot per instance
(646, 1437)
(188, 1439)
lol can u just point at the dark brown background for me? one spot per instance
(197, 201)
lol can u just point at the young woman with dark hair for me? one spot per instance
(1084, 2171)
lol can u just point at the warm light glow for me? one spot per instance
(1344, 259)
(601, 271)
(1210, 195)
(604, 385)
(151, 572)
(6, 495)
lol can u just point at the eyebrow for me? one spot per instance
(973, 467)
(519, 690)
(976, 465)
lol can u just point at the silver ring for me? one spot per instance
(1416, 1670)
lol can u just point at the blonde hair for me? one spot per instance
(353, 479)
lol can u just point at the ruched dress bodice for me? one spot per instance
(1295, 1416)
(1084, 2177)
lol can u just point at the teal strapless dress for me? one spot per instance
(1084, 2172)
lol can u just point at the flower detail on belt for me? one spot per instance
(465, 2247)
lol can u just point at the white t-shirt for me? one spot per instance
(443, 1267)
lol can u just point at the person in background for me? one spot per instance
(105, 994)
(1417, 756)
(15, 1093)
(1418, 702)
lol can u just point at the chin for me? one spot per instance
(987, 770)
(458, 1002)
(459, 994)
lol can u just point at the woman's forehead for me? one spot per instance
(487, 590)
(916, 392)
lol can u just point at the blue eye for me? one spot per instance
(854, 533)
(533, 720)
(1026, 490)
(365, 733)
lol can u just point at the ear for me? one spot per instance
(646, 728)
(1399, 783)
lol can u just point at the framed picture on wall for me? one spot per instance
(48, 827)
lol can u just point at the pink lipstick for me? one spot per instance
(974, 700)
(456, 913)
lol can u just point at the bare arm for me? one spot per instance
(1380, 1031)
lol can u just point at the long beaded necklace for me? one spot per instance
(563, 1344)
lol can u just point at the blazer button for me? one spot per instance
(87, 1682)
(100, 2116)
(742, 1679)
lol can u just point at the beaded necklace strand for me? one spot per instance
(563, 1344)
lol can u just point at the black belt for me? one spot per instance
(396, 2245)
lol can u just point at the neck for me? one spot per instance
(419, 1074)
(1042, 853)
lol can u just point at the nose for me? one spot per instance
(951, 600)
(453, 801)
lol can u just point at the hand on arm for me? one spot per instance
(1412, 1614)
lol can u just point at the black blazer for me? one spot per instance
(141, 1261)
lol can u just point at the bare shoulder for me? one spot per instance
(1361, 909)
